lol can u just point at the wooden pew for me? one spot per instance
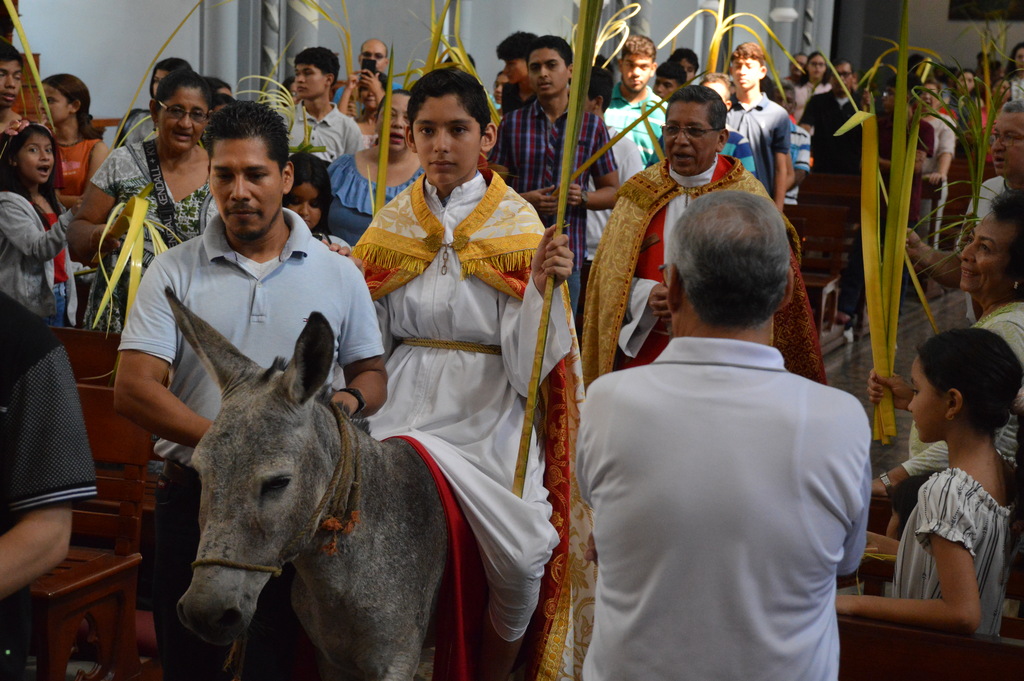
(880, 651)
(824, 239)
(93, 354)
(98, 585)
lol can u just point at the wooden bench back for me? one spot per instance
(824, 236)
(93, 354)
(881, 651)
(121, 450)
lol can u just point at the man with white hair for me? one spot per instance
(1007, 147)
(749, 485)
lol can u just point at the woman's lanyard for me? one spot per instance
(164, 202)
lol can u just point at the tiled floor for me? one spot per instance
(847, 367)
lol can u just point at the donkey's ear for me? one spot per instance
(222, 360)
(311, 364)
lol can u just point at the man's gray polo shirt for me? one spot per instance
(262, 316)
(337, 133)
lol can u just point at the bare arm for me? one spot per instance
(85, 230)
(370, 378)
(36, 544)
(879, 543)
(97, 156)
(783, 165)
(942, 266)
(141, 395)
(603, 196)
(957, 611)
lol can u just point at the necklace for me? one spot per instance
(77, 141)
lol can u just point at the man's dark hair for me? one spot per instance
(516, 46)
(551, 42)
(184, 79)
(672, 71)
(244, 120)
(464, 87)
(700, 94)
(8, 53)
(321, 58)
(602, 82)
(686, 53)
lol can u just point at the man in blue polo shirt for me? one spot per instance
(632, 97)
(255, 274)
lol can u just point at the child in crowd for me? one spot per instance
(457, 264)
(311, 191)
(34, 265)
(82, 150)
(952, 563)
(668, 78)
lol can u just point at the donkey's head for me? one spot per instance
(264, 465)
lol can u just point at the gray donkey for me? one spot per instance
(286, 478)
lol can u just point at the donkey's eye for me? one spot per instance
(275, 485)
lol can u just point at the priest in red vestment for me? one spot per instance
(626, 314)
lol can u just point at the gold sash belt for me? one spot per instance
(452, 345)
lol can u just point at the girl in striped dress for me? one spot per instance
(953, 560)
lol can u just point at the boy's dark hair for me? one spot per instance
(464, 87)
(673, 71)
(244, 120)
(184, 79)
(904, 499)
(221, 99)
(516, 46)
(686, 53)
(552, 42)
(169, 64)
(309, 168)
(701, 94)
(216, 83)
(321, 58)
(748, 51)
(639, 45)
(10, 180)
(602, 83)
(9, 53)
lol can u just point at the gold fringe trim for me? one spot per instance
(388, 259)
(503, 262)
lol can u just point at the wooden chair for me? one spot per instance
(93, 354)
(823, 237)
(97, 581)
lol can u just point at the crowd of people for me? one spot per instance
(706, 402)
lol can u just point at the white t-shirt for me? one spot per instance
(728, 494)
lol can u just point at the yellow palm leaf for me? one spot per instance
(383, 141)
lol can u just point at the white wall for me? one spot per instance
(956, 41)
(108, 43)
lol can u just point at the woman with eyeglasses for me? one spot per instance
(173, 160)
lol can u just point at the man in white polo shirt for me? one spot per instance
(727, 492)
(255, 274)
(316, 70)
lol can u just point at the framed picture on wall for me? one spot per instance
(1008, 10)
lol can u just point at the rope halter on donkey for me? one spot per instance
(345, 482)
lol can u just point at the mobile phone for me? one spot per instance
(369, 65)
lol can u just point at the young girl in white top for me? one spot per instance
(953, 559)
